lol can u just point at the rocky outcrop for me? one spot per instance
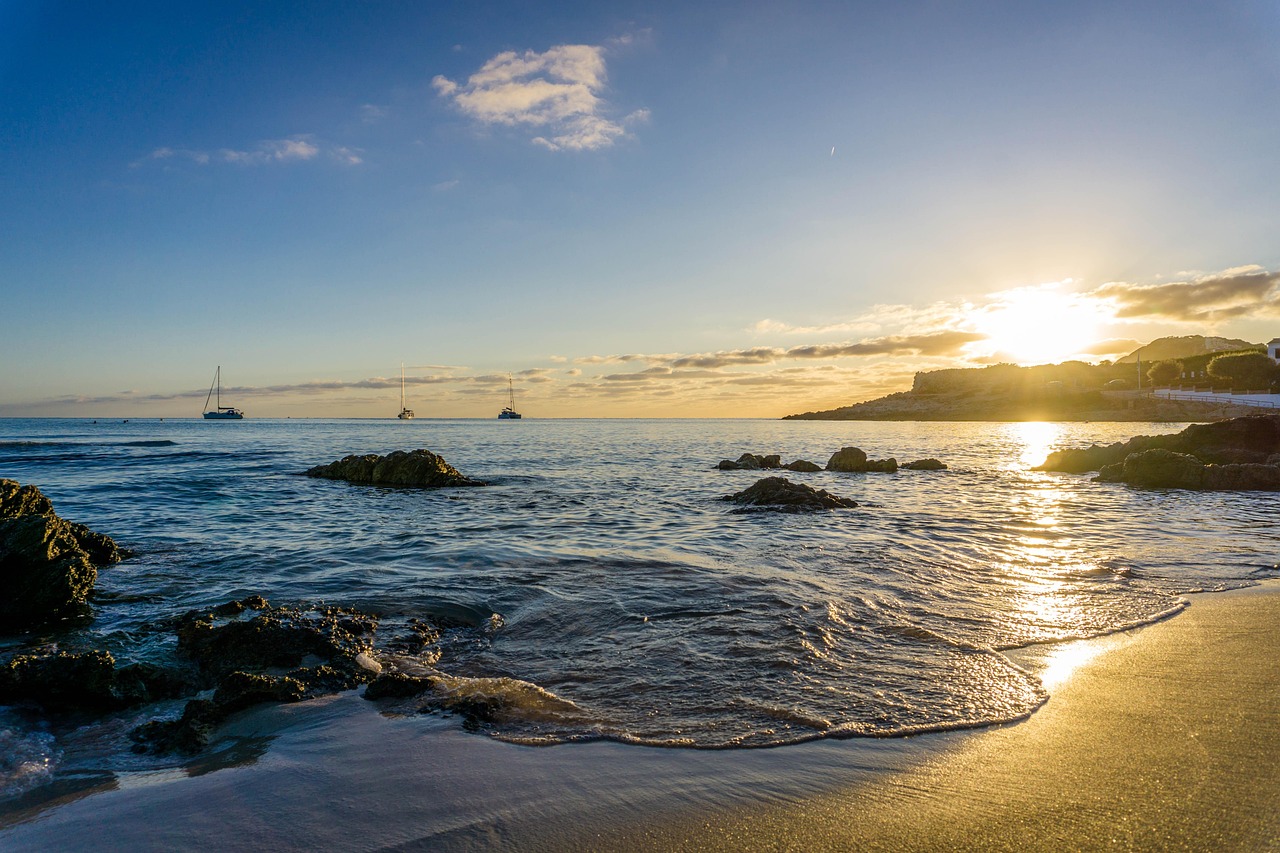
(761, 462)
(847, 459)
(59, 681)
(782, 495)
(48, 565)
(929, 464)
(1252, 439)
(854, 460)
(251, 652)
(1167, 469)
(419, 468)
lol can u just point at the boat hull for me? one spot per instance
(224, 416)
(508, 415)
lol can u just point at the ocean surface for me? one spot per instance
(601, 589)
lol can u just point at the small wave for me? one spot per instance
(139, 443)
(506, 700)
(27, 760)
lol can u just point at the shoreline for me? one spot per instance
(1159, 737)
(1163, 737)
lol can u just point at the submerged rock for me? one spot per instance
(847, 459)
(420, 468)
(48, 565)
(782, 495)
(1166, 469)
(929, 464)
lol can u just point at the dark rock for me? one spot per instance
(240, 648)
(930, 464)
(882, 466)
(778, 493)
(751, 462)
(847, 459)
(1165, 469)
(804, 466)
(420, 468)
(1253, 439)
(48, 565)
(62, 682)
(397, 685)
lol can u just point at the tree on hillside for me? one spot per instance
(1165, 372)
(1250, 370)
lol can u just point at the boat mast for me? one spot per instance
(217, 380)
(402, 387)
(512, 390)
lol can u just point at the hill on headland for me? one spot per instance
(1184, 347)
(1071, 391)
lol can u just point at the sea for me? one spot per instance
(600, 588)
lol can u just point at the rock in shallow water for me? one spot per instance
(48, 565)
(420, 468)
(782, 495)
(1165, 469)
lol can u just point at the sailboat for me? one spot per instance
(510, 413)
(405, 414)
(220, 412)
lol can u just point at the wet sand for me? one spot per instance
(1163, 738)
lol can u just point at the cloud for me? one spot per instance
(1237, 292)
(293, 149)
(939, 343)
(557, 92)
(372, 113)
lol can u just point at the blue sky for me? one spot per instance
(637, 209)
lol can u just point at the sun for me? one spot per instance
(1037, 325)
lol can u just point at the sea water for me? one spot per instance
(598, 588)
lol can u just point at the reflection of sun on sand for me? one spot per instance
(1167, 740)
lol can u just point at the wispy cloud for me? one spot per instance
(293, 149)
(1237, 292)
(557, 93)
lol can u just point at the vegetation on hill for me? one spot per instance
(1073, 390)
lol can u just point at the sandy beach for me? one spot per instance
(1165, 738)
(1161, 738)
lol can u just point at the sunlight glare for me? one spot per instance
(1038, 325)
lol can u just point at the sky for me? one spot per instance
(630, 209)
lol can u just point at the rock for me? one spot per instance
(929, 464)
(397, 685)
(62, 682)
(751, 462)
(804, 466)
(48, 565)
(240, 649)
(1165, 469)
(1252, 439)
(882, 466)
(778, 493)
(847, 459)
(420, 468)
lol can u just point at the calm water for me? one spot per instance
(607, 593)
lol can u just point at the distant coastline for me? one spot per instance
(1073, 391)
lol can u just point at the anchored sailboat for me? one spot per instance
(220, 412)
(510, 413)
(405, 414)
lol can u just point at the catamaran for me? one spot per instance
(510, 413)
(405, 414)
(220, 412)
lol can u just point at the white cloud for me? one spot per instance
(298, 148)
(557, 92)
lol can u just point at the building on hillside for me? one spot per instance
(1273, 349)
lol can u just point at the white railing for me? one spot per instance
(1211, 397)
